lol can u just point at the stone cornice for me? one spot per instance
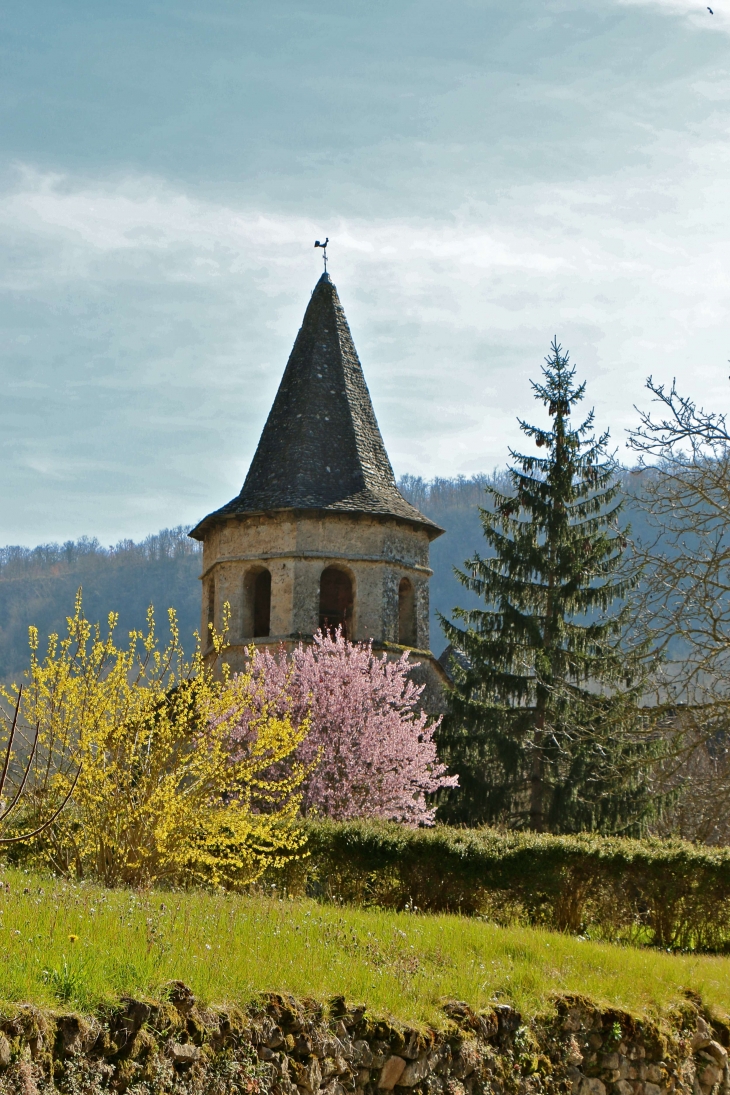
(330, 557)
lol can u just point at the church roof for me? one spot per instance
(321, 447)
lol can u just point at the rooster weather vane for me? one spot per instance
(324, 251)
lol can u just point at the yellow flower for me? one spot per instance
(73, 938)
(159, 796)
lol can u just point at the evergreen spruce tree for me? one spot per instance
(545, 731)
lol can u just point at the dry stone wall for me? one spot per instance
(281, 1046)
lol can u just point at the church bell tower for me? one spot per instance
(320, 536)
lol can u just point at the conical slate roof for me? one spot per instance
(321, 447)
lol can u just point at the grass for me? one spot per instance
(80, 945)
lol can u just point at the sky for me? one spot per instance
(490, 175)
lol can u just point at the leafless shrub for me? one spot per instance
(685, 604)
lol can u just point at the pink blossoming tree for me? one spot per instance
(372, 748)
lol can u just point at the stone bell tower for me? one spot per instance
(320, 535)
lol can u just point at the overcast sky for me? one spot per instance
(489, 174)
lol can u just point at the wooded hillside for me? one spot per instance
(38, 586)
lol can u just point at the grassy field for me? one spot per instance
(79, 945)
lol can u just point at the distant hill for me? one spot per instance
(38, 585)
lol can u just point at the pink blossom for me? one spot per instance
(377, 757)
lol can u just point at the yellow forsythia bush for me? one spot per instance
(160, 797)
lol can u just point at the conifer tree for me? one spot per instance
(544, 730)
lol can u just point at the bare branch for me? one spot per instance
(9, 750)
(684, 424)
(51, 819)
(7, 811)
(23, 781)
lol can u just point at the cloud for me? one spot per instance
(147, 329)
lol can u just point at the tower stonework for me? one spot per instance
(320, 535)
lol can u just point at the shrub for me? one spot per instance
(158, 798)
(370, 750)
(671, 894)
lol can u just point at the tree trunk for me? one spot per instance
(537, 769)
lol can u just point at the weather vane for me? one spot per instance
(324, 251)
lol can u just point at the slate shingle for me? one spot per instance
(321, 447)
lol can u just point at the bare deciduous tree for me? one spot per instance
(685, 607)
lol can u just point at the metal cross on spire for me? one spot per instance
(324, 251)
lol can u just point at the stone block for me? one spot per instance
(508, 1019)
(709, 1076)
(275, 1037)
(412, 1048)
(328, 1067)
(334, 1088)
(303, 1045)
(414, 1072)
(465, 1061)
(362, 1053)
(591, 1085)
(184, 1054)
(717, 1051)
(391, 1073)
(573, 1054)
(575, 1076)
(309, 1075)
(74, 1034)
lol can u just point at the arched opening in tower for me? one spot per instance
(210, 611)
(262, 604)
(406, 613)
(335, 601)
(256, 607)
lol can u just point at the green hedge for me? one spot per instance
(670, 894)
